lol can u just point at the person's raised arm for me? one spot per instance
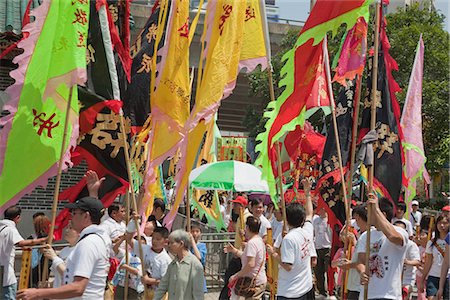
(381, 222)
(93, 183)
(308, 203)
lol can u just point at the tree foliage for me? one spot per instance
(403, 29)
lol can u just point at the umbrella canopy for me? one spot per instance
(228, 175)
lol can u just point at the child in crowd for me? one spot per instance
(156, 259)
(135, 286)
(197, 248)
(340, 258)
(412, 260)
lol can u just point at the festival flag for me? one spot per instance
(411, 124)
(225, 53)
(52, 64)
(388, 154)
(329, 183)
(101, 143)
(207, 202)
(351, 58)
(223, 35)
(136, 98)
(170, 103)
(189, 149)
(302, 63)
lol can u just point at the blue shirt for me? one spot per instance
(202, 249)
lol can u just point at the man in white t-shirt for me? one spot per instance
(10, 238)
(294, 275)
(388, 245)
(257, 209)
(322, 242)
(114, 225)
(416, 215)
(399, 216)
(88, 264)
(277, 223)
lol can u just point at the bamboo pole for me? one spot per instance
(127, 259)
(352, 167)
(373, 117)
(270, 266)
(131, 190)
(280, 189)
(336, 133)
(188, 210)
(58, 182)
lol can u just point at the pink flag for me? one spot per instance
(353, 53)
(411, 123)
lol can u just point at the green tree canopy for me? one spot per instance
(403, 29)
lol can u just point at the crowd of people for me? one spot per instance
(106, 258)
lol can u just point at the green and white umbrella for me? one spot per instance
(228, 175)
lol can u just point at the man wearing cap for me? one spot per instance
(416, 215)
(87, 266)
(235, 265)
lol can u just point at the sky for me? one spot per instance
(298, 10)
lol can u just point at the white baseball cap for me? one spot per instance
(415, 202)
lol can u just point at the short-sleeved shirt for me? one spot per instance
(277, 227)
(134, 281)
(415, 218)
(264, 225)
(63, 254)
(255, 248)
(322, 233)
(385, 264)
(203, 251)
(90, 259)
(295, 250)
(409, 272)
(156, 264)
(9, 237)
(438, 259)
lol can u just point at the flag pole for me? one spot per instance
(272, 98)
(188, 210)
(58, 182)
(127, 260)
(116, 94)
(373, 116)
(335, 127)
(131, 190)
(351, 169)
(280, 188)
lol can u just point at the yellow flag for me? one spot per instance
(253, 50)
(189, 152)
(172, 97)
(224, 36)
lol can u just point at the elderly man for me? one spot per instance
(87, 265)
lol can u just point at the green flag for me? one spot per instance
(53, 62)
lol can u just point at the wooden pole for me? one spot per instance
(58, 182)
(127, 259)
(270, 266)
(280, 189)
(188, 210)
(373, 118)
(352, 167)
(131, 190)
(336, 133)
